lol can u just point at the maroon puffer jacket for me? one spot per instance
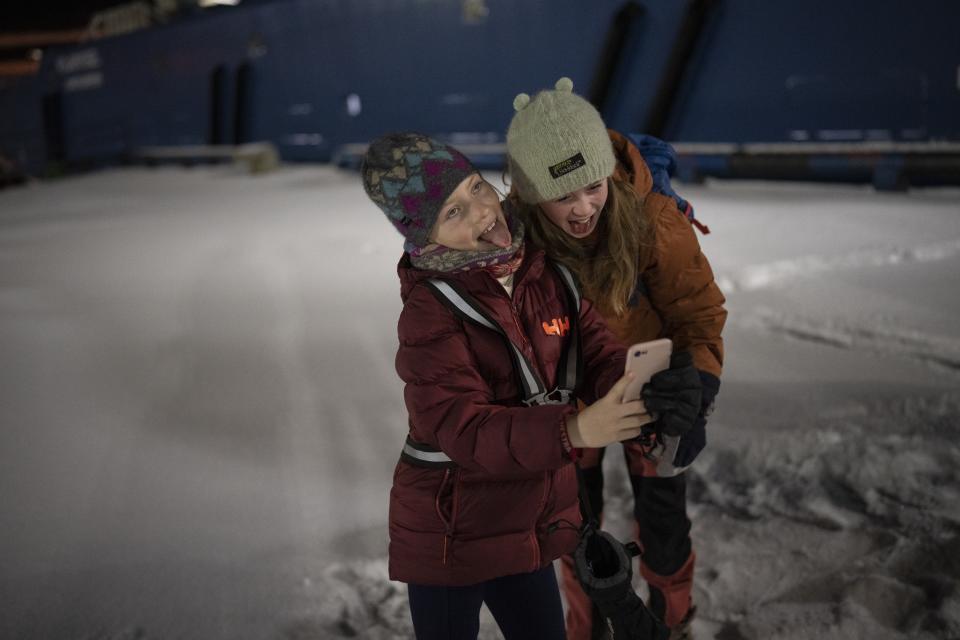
(510, 505)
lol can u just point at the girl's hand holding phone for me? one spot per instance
(610, 419)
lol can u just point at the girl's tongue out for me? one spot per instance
(498, 235)
(582, 227)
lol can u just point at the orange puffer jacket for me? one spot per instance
(677, 295)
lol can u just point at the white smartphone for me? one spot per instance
(645, 359)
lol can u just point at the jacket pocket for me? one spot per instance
(446, 504)
(421, 500)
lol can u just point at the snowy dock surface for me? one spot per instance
(199, 415)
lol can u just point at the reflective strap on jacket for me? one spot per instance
(569, 367)
(422, 455)
(534, 391)
(464, 306)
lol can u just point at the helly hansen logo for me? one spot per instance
(568, 165)
(557, 326)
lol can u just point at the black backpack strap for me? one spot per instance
(570, 369)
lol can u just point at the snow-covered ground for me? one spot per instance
(199, 415)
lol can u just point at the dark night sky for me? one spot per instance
(20, 15)
(23, 16)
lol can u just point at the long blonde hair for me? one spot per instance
(607, 262)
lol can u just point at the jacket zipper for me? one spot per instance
(447, 524)
(524, 343)
(540, 509)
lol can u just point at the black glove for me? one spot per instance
(604, 569)
(634, 620)
(693, 442)
(674, 394)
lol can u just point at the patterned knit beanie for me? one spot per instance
(409, 176)
(556, 144)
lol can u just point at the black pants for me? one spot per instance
(660, 509)
(525, 606)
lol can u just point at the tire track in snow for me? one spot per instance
(939, 351)
(772, 274)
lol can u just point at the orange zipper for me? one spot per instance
(446, 523)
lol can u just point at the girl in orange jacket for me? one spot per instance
(585, 196)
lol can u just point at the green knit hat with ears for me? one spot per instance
(556, 144)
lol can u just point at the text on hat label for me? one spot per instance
(568, 165)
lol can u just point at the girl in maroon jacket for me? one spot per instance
(485, 495)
